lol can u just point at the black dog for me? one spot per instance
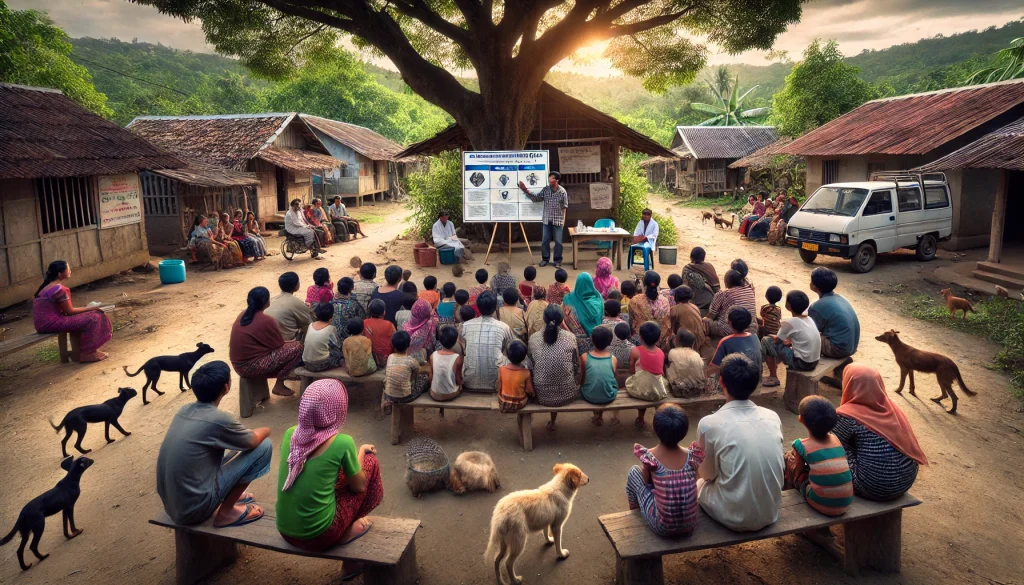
(181, 363)
(61, 498)
(77, 420)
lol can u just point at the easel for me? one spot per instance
(495, 232)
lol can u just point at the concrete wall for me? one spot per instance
(25, 251)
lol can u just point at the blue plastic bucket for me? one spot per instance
(447, 255)
(172, 271)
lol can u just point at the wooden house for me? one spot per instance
(278, 148)
(703, 155)
(69, 190)
(564, 122)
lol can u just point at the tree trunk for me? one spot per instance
(504, 116)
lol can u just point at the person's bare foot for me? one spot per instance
(358, 528)
(227, 517)
(281, 390)
(615, 419)
(96, 356)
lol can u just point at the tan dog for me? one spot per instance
(545, 509)
(473, 470)
(955, 304)
(911, 359)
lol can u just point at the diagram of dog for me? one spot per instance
(544, 509)
(721, 222)
(910, 359)
(78, 419)
(473, 470)
(181, 363)
(61, 498)
(955, 304)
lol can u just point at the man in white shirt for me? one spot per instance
(295, 224)
(646, 232)
(443, 234)
(740, 481)
(345, 225)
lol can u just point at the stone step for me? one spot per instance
(1015, 272)
(1000, 279)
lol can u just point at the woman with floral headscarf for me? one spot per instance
(422, 330)
(604, 281)
(326, 487)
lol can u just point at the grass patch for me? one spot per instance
(727, 204)
(368, 217)
(998, 320)
(49, 352)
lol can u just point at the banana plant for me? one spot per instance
(1009, 65)
(729, 109)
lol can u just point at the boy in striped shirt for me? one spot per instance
(817, 465)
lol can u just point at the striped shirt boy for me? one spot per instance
(828, 486)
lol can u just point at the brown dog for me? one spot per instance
(911, 359)
(955, 304)
(724, 223)
(473, 470)
(706, 215)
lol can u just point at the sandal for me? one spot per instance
(359, 568)
(770, 382)
(245, 518)
(361, 534)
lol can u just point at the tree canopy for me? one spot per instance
(820, 88)
(33, 51)
(511, 46)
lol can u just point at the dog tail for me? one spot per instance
(494, 542)
(132, 375)
(963, 386)
(8, 538)
(56, 428)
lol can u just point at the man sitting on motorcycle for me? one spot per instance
(296, 225)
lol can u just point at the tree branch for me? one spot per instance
(418, 9)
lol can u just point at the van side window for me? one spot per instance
(880, 202)
(935, 197)
(909, 198)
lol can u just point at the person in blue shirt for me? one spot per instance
(834, 316)
(741, 341)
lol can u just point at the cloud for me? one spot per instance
(926, 8)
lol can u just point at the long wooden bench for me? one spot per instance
(403, 415)
(872, 532)
(307, 377)
(799, 385)
(67, 342)
(388, 549)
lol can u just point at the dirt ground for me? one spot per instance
(965, 531)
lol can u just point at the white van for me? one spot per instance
(859, 220)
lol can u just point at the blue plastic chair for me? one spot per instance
(647, 253)
(604, 223)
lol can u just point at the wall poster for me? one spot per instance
(579, 159)
(490, 185)
(600, 195)
(120, 201)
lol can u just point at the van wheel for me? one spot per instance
(926, 248)
(808, 256)
(864, 258)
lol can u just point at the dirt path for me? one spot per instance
(965, 532)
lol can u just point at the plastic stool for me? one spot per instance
(648, 257)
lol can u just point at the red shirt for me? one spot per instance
(380, 331)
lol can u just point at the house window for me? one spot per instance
(910, 199)
(935, 197)
(829, 172)
(159, 195)
(66, 203)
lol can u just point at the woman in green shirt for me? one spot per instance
(326, 487)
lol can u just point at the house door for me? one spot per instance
(282, 189)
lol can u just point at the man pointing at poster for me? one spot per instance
(556, 201)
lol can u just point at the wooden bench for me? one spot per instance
(388, 549)
(872, 532)
(67, 342)
(341, 374)
(403, 415)
(802, 384)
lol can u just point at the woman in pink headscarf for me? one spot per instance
(604, 281)
(326, 487)
(422, 330)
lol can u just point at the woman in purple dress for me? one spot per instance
(52, 312)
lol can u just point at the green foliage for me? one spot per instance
(729, 109)
(820, 88)
(998, 320)
(436, 189)
(633, 190)
(49, 352)
(33, 51)
(1009, 65)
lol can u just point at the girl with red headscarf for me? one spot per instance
(604, 281)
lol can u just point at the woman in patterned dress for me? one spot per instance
(256, 347)
(52, 312)
(650, 306)
(202, 241)
(252, 245)
(556, 363)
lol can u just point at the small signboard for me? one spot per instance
(120, 200)
(600, 195)
(579, 159)
(490, 185)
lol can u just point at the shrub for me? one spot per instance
(437, 188)
(633, 190)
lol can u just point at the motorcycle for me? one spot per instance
(294, 245)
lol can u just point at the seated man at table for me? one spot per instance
(646, 232)
(443, 234)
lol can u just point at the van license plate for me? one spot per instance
(811, 247)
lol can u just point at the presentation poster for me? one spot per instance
(490, 185)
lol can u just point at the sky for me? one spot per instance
(856, 24)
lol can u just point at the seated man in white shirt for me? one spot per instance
(295, 224)
(345, 226)
(646, 232)
(443, 234)
(740, 481)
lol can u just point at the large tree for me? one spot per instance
(510, 45)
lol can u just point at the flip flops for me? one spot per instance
(245, 518)
(358, 536)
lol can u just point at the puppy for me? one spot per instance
(181, 363)
(955, 304)
(911, 359)
(77, 420)
(61, 498)
(705, 216)
(545, 509)
(473, 470)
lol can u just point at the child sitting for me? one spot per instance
(598, 385)
(514, 383)
(481, 285)
(406, 275)
(322, 290)
(446, 366)
(446, 306)
(461, 300)
(466, 315)
(526, 287)
(380, 331)
(741, 341)
(511, 315)
(686, 315)
(535, 311)
(628, 290)
(430, 293)
(798, 343)
(321, 348)
(621, 346)
(358, 350)
(406, 312)
(674, 281)
(646, 369)
(664, 486)
(403, 381)
(503, 280)
(817, 465)
(558, 289)
(771, 314)
(685, 367)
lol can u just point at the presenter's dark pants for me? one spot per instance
(551, 232)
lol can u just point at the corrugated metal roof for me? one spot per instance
(226, 141)
(298, 160)
(1002, 149)
(362, 140)
(911, 124)
(759, 159)
(206, 175)
(45, 134)
(704, 142)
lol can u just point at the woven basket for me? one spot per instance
(428, 466)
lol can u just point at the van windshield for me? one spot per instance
(845, 201)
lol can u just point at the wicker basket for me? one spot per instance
(428, 467)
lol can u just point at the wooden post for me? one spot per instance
(638, 571)
(403, 573)
(526, 430)
(510, 243)
(251, 391)
(493, 233)
(995, 245)
(527, 242)
(873, 543)
(197, 556)
(798, 387)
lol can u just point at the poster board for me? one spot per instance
(490, 185)
(120, 200)
(579, 159)
(600, 195)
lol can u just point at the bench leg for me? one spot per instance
(197, 556)
(404, 573)
(251, 391)
(874, 543)
(403, 419)
(638, 571)
(62, 346)
(304, 382)
(798, 387)
(525, 421)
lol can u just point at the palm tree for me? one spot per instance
(729, 109)
(1009, 65)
